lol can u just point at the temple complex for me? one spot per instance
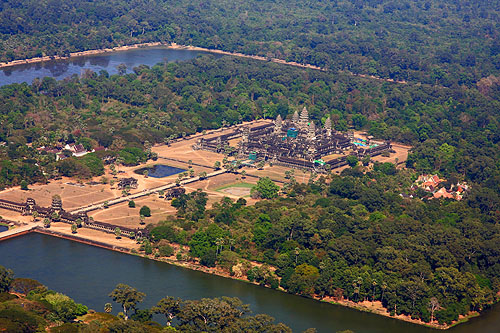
(295, 142)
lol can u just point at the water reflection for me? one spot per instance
(60, 69)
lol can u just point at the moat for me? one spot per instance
(60, 69)
(88, 274)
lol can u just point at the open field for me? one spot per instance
(399, 157)
(122, 215)
(14, 216)
(237, 189)
(182, 150)
(73, 195)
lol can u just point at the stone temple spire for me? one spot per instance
(295, 118)
(304, 118)
(311, 130)
(328, 126)
(278, 123)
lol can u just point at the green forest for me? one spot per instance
(28, 306)
(448, 42)
(353, 237)
(350, 236)
(455, 131)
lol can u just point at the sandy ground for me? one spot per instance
(399, 157)
(277, 172)
(73, 196)
(181, 149)
(14, 216)
(236, 191)
(94, 235)
(122, 215)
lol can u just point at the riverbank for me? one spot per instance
(174, 46)
(77, 54)
(128, 246)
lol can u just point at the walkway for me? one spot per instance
(19, 231)
(145, 193)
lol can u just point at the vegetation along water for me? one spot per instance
(88, 274)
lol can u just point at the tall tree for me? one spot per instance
(127, 296)
(169, 307)
(6, 277)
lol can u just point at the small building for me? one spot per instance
(174, 193)
(127, 183)
(77, 150)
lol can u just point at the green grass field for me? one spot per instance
(245, 185)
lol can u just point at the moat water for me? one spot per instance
(88, 274)
(60, 69)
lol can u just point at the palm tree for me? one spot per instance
(219, 242)
(46, 223)
(35, 215)
(118, 233)
(230, 242)
(74, 228)
(383, 287)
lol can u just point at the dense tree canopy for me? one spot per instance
(455, 130)
(351, 236)
(448, 42)
(40, 309)
(354, 237)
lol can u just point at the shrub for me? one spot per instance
(145, 211)
(209, 258)
(166, 250)
(131, 204)
(24, 185)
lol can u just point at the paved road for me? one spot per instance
(144, 193)
(18, 230)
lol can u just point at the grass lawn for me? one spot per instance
(245, 185)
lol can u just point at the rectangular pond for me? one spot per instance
(159, 171)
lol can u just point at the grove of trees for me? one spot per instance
(446, 42)
(28, 306)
